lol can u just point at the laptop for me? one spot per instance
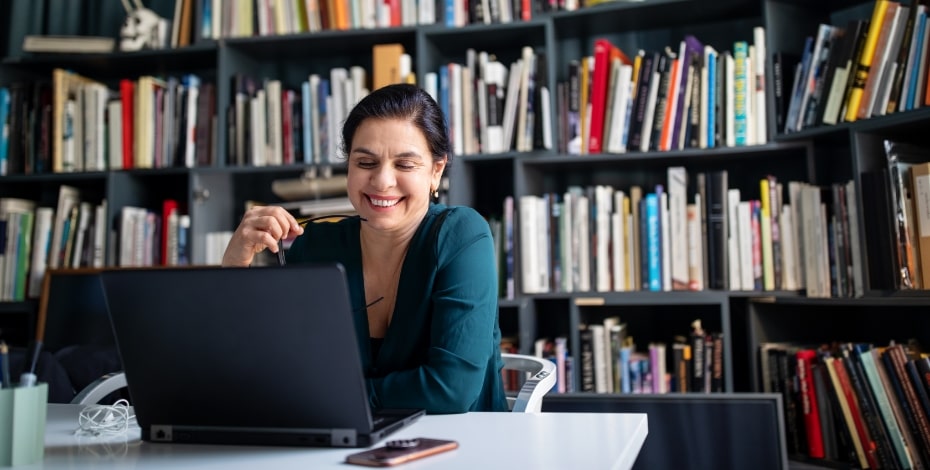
(264, 356)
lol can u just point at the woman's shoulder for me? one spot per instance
(457, 222)
(458, 219)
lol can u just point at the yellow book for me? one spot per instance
(865, 61)
(584, 108)
(768, 266)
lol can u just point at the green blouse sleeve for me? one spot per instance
(461, 369)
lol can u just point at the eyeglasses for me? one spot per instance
(303, 223)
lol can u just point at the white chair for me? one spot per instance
(541, 379)
(100, 388)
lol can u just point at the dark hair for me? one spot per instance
(402, 101)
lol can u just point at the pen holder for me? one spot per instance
(22, 424)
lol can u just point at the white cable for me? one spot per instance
(105, 420)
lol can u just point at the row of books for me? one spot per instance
(853, 403)
(272, 124)
(905, 191)
(611, 362)
(868, 67)
(692, 96)
(492, 107)
(601, 238)
(76, 233)
(75, 124)
(242, 18)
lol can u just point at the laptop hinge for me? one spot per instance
(344, 437)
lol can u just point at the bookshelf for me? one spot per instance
(215, 194)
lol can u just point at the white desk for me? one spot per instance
(486, 440)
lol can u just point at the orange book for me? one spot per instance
(665, 139)
(584, 104)
(385, 61)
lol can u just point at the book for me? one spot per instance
(864, 62)
(68, 44)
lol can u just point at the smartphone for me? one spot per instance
(399, 451)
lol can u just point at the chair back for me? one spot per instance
(540, 379)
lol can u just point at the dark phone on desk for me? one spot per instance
(399, 451)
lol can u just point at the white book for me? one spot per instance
(259, 147)
(744, 235)
(678, 225)
(41, 234)
(646, 138)
(529, 65)
(430, 83)
(581, 238)
(542, 243)
(68, 198)
(618, 121)
(733, 253)
(98, 258)
(603, 201)
(510, 106)
(427, 10)
(788, 260)
(481, 98)
(695, 251)
(115, 134)
(759, 116)
(666, 243)
(275, 135)
(618, 242)
(84, 216)
(600, 358)
(546, 110)
(566, 234)
(496, 78)
(529, 259)
(338, 110)
(456, 117)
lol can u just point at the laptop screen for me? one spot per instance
(239, 347)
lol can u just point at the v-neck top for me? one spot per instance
(441, 351)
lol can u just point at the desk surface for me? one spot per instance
(498, 440)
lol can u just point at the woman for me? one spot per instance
(422, 276)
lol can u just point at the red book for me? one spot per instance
(869, 446)
(127, 96)
(599, 81)
(168, 206)
(810, 409)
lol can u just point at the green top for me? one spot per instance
(441, 351)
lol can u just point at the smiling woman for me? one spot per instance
(422, 276)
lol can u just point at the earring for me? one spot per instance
(436, 194)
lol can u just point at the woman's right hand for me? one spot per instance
(261, 227)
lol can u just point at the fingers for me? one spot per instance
(261, 227)
(265, 225)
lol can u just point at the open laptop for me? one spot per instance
(264, 356)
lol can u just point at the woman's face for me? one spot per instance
(391, 173)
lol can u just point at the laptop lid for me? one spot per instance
(243, 355)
